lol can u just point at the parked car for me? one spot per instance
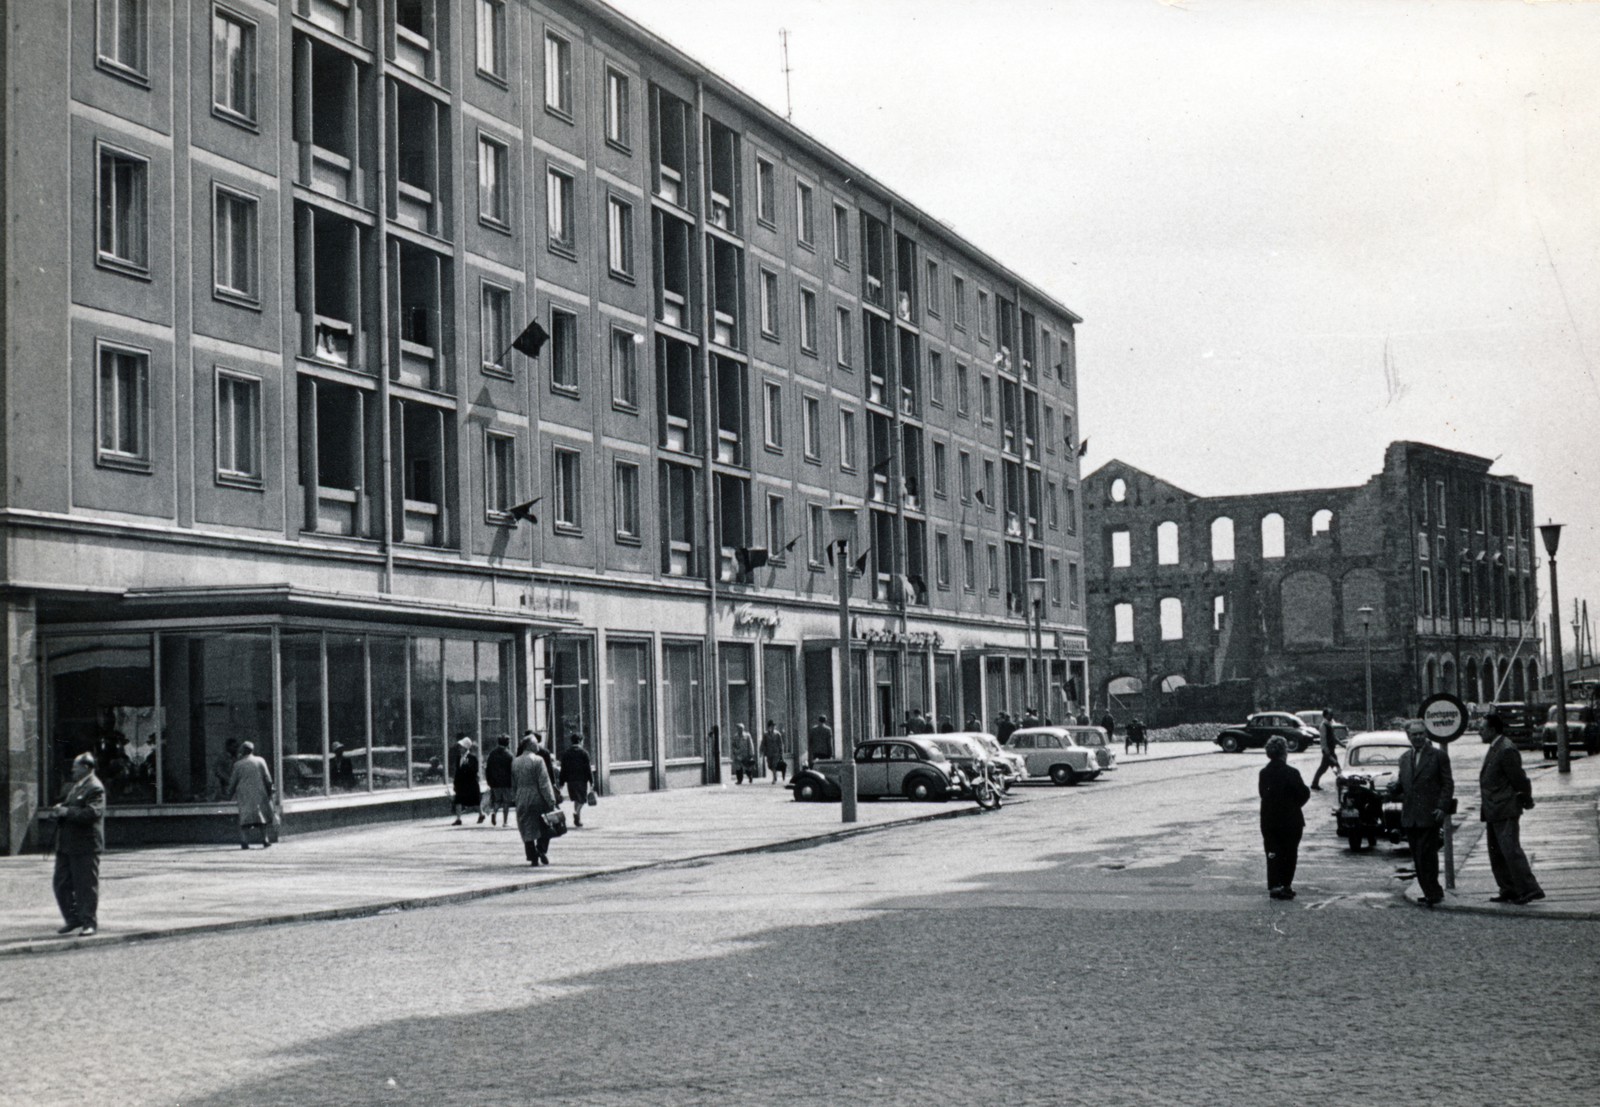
(1583, 731)
(1064, 754)
(911, 766)
(968, 749)
(1521, 720)
(1365, 810)
(1012, 767)
(966, 755)
(1259, 727)
(1313, 719)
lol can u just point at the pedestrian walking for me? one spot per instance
(577, 774)
(1109, 725)
(819, 740)
(772, 752)
(80, 840)
(468, 792)
(502, 785)
(1134, 737)
(1427, 790)
(536, 798)
(250, 786)
(1003, 727)
(744, 755)
(973, 722)
(1328, 740)
(1283, 793)
(1030, 717)
(1505, 793)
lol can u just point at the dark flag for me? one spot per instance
(883, 466)
(982, 499)
(861, 562)
(749, 559)
(1083, 447)
(791, 544)
(525, 511)
(531, 340)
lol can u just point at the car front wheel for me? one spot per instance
(807, 791)
(1229, 743)
(1063, 774)
(1295, 744)
(921, 788)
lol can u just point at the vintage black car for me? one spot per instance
(912, 767)
(1258, 728)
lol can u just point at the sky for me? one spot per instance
(1296, 231)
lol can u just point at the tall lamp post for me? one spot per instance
(844, 538)
(1366, 635)
(1036, 599)
(1551, 533)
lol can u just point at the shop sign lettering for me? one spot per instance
(762, 618)
(886, 636)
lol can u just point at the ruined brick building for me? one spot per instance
(1203, 608)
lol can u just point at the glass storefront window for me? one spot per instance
(570, 692)
(680, 662)
(347, 713)
(217, 690)
(389, 752)
(102, 701)
(917, 683)
(492, 699)
(300, 686)
(461, 695)
(777, 687)
(738, 685)
(628, 685)
(427, 711)
(944, 690)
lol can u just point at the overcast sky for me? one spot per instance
(1249, 203)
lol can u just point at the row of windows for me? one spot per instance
(1496, 509)
(1170, 614)
(1222, 546)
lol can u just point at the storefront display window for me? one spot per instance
(389, 755)
(427, 711)
(628, 690)
(217, 691)
(300, 688)
(738, 685)
(102, 700)
(461, 693)
(944, 691)
(681, 700)
(347, 713)
(571, 704)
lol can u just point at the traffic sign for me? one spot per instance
(1444, 717)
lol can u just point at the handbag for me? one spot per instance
(556, 822)
(1525, 801)
(593, 798)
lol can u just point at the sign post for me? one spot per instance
(1445, 717)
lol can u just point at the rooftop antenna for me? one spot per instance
(788, 100)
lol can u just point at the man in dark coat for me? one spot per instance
(1109, 725)
(1328, 739)
(1003, 728)
(577, 773)
(502, 786)
(819, 741)
(1283, 794)
(1030, 717)
(1425, 787)
(80, 840)
(772, 751)
(1505, 792)
(1134, 736)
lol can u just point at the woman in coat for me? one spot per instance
(744, 755)
(250, 785)
(468, 793)
(1283, 793)
(536, 798)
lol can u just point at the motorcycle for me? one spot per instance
(981, 786)
(1365, 813)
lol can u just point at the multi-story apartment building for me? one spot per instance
(265, 431)
(1200, 605)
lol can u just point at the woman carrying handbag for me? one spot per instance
(536, 798)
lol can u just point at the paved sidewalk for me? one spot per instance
(159, 891)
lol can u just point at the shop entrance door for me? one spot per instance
(777, 670)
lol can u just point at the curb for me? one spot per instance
(445, 899)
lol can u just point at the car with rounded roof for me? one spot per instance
(1371, 764)
(1268, 724)
(1583, 731)
(1063, 754)
(909, 766)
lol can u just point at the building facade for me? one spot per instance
(265, 428)
(1203, 608)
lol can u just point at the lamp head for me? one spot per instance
(1036, 589)
(1366, 617)
(843, 518)
(1551, 533)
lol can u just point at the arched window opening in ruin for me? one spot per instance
(1222, 539)
(1172, 683)
(1171, 619)
(1121, 550)
(1119, 490)
(1469, 689)
(1431, 680)
(1449, 678)
(1123, 613)
(1125, 686)
(1272, 535)
(1321, 522)
(1219, 611)
(1533, 680)
(1167, 543)
(1518, 692)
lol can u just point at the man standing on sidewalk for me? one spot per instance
(1426, 787)
(80, 840)
(819, 742)
(1506, 792)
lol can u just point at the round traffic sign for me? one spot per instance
(1444, 717)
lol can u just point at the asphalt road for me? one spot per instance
(1109, 944)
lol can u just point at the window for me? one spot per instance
(1072, 584)
(966, 477)
(1219, 611)
(723, 170)
(495, 318)
(1123, 614)
(493, 205)
(769, 303)
(1049, 429)
(963, 390)
(935, 378)
(841, 234)
(958, 297)
(1167, 543)
(630, 701)
(986, 493)
(1055, 582)
(618, 108)
(941, 484)
(619, 237)
(941, 560)
(969, 565)
(626, 488)
(1222, 539)
(557, 74)
(1072, 511)
(777, 534)
(1272, 535)
(1052, 507)
(492, 37)
(986, 389)
(563, 349)
(1121, 550)
(120, 41)
(983, 314)
(841, 326)
(994, 569)
(808, 321)
(233, 66)
(123, 235)
(558, 212)
(811, 427)
(1322, 522)
(568, 490)
(624, 370)
(805, 227)
(238, 429)
(773, 410)
(930, 294)
(818, 549)
(1171, 619)
(233, 247)
(499, 475)
(847, 440)
(122, 431)
(766, 185)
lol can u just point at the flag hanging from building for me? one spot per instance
(531, 340)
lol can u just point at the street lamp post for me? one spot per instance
(1366, 635)
(1036, 599)
(1551, 533)
(844, 537)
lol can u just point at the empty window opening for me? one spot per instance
(1121, 549)
(1272, 535)
(1222, 539)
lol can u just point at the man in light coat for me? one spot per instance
(1426, 789)
(1505, 792)
(250, 786)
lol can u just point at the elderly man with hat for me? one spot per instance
(80, 840)
(1426, 788)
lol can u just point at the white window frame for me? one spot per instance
(624, 370)
(811, 427)
(847, 440)
(619, 105)
(560, 223)
(772, 414)
(494, 322)
(969, 565)
(126, 248)
(842, 337)
(777, 529)
(625, 496)
(805, 208)
(122, 39)
(766, 184)
(233, 92)
(134, 397)
(841, 235)
(226, 238)
(564, 350)
(941, 560)
(557, 73)
(619, 237)
(808, 321)
(941, 463)
(494, 184)
(930, 291)
(567, 490)
(818, 534)
(769, 303)
(499, 489)
(226, 389)
(492, 39)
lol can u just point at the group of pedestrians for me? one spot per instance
(1425, 787)
(527, 784)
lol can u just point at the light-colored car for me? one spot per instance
(1366, 810)
(1062, 753)
(1012, 767)
(1313, 719)
(1376, 756)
